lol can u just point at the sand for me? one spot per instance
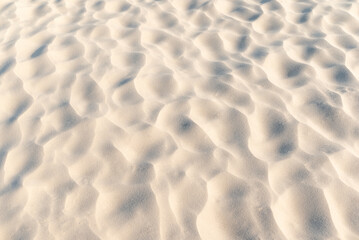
(179, 119)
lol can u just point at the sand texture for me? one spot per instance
(179, 119)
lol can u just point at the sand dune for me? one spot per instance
(179, 119)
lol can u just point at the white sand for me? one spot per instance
(179, 119)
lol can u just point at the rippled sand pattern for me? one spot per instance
(179, 119)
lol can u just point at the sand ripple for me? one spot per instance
(179, 119)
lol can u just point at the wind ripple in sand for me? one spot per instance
(193, 119)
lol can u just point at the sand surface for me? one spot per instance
(179, 119)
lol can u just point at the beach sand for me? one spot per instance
(179, 120)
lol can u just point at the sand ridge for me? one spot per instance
(179, 119)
